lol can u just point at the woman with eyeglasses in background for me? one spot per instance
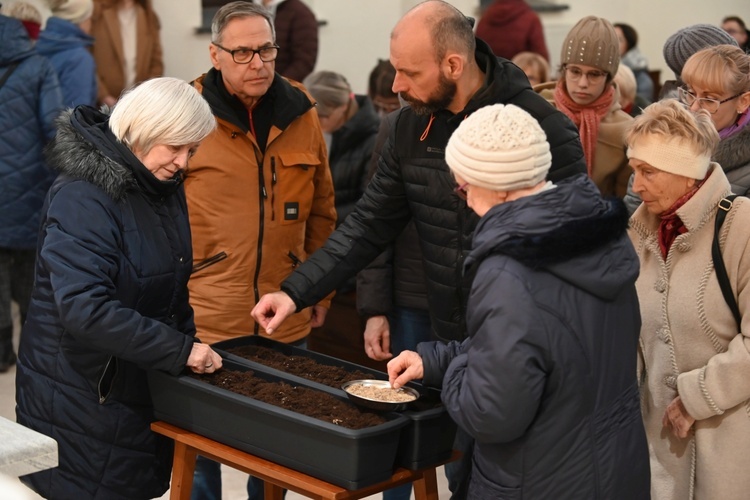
(717, 80)
(585, 92)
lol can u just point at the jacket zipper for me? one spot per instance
(261, 227)
(273, 185)
(209, 262)
(103, 397)
(295, 260)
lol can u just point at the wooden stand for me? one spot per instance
(277, 477)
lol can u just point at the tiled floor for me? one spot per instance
(233, 480)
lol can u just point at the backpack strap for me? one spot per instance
(8, 72)
(725, 205)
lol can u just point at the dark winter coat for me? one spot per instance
(351, 150)
(396, 277)
(546, 381)
(30, 100)
(413, 181)
(67, 48)
(110, 302)
(733, 154)
(510, 27)
(297, 35)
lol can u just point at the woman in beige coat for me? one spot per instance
(127, 47)
(694, 360)
(586, 94)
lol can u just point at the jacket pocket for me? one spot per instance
(199, 266)
(293, 190)
(107, 379)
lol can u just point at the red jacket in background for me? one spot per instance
(510, 27)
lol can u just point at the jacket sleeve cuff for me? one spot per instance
(694, 394)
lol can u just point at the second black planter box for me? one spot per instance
(427, 439)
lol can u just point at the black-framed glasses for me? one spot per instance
(575, 74)
(710, 105)
(245, 56)
(461, 190)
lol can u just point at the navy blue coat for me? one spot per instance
(110, 301)
(30, 100)
(546, 381)
(67, 48)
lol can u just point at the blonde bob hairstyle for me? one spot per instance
(672, 120)
(721, 68)
(161, 111)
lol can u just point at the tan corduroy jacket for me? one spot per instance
(108, 49)
(255, 215)
(690, 345)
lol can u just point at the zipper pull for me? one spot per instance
(295, 261)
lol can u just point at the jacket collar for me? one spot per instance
(289, 102)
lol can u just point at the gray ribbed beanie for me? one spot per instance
(679, 47)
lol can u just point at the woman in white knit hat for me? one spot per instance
(586, 93)
(546, 381)
(694, 356)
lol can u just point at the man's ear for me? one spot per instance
(213, 51)
(454, 66)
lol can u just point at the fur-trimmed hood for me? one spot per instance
(84, 148)
(569, 231)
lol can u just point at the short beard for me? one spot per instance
(440, 100)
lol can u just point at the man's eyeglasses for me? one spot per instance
(575, 74)
(710, 105)
(245, 56)
(461, 190)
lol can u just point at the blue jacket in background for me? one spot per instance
(30, 100)
(546, 381)
(66, 47)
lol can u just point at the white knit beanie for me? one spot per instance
(499, 147)
(75, 11)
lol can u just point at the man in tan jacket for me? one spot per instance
(259, 191)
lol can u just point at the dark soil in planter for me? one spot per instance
(309, 369)
(301, 400)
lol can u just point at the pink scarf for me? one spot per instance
(741, 122)
(586, 118)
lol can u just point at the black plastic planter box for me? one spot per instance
(426, 441)
(348, 458)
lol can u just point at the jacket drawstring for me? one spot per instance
(427, 129)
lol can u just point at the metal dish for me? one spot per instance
(377, 404)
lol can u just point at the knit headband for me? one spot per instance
(670, 154)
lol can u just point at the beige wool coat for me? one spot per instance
(610, 171)
(108, 47)
(690, 345)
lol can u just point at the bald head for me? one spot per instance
(444, 26)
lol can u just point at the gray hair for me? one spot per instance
(161, 111)
(238, 10)
(329, 89)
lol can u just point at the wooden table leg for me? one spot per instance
(182, 472)
(272, 491)
(425, 488)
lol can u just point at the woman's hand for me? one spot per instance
(203, 359)
(405, 367)
(678, 418)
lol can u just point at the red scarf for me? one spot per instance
(586, 118)
(671, 226)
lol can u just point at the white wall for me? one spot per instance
(357, 33)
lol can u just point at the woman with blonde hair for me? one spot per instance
(110, 299)
(694, 359)
(717, 80)
(535, 66)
